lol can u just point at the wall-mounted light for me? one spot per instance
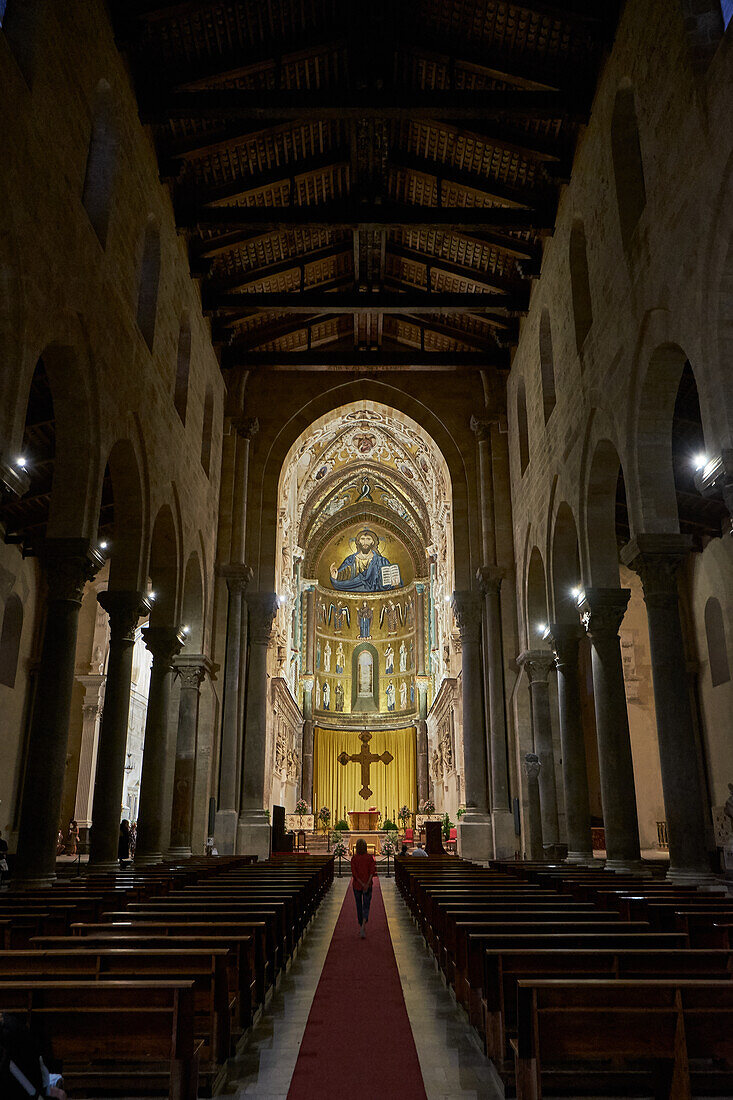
(575, 592)
(21, 462)
(186, 629)
(541, 628)
(151, 597)
(580, 598)
(700, 461)
(103, 544)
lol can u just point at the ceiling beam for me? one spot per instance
(390, 104)
(271, 271)
(383, 359)
(429, 260)
(349, 215)
(451, 332)
(471, 181)
(384, 302)
(265, 334)
(187, 195)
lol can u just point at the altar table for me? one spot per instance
(364, 821)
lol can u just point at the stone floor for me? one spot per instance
(451, 1059)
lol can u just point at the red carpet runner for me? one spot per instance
(358, 1041)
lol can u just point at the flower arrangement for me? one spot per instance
(428, 806)
(324, 816)
(403, 814)
(301, 807)
(389, 826)
(339, 847)
(391, 844)
(342, 825)
(446, 825)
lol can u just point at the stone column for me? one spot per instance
(253, 831)
(246, 428)
(191, 669)
(237, 578)
(68, 565)
(474, 829)
(124, 609)
(423, 779)
(91, 710)
(656, 558)
(420, 629)
(537, 663)
(306, 784)
(164, 643)
(310, 630)
(565, 641)
(533, 848)
(490, 578)
(602, 611)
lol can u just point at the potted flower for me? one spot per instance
(390, 846)
(404, 814)
(342, 826)
(324, 816)
(301, 807)
(340, 847)
(428, 806)
(446, 825)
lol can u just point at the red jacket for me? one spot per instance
(361, 868)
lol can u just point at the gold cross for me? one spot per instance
(365, 758)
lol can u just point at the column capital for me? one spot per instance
(481, 428)
(602, 611)
(467, 608)
(164, 642)
(537, 663)
(69, 564)
(236, 574)
(262, 610)
(193, 668)
(489, 578)
(124, 608)
(246, 426)
(532, 766)
(656, 558)
(564, 639)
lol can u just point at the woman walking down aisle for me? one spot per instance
(363, 870)
(359, 996)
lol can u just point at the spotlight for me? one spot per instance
(21, 461)
(580, 596)
(575, 592)
(447, 599)
(103, 544)
(186, 630)
(151, 597)
(700, 461)
(541, 628)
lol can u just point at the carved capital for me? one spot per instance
(237, 575)
(69, 564)
(262, 610)
(467, 608)
(537, 664)
(125, 609)
(532, 765)
(602, 611)
(246, 426)
(656, 559)
(164, 642)
(564, 638)
(489, 578)
(481, 428)
(191, 669)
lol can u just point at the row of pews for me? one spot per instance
(144, 982)
(583, 982)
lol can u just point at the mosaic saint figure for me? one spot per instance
(403, 695)
(326, 695)
(318, 653)
(403, 657)
(339, 696)
(340, 613)
(390, 695)
(389, 659)
(340, 659)
(366, 570)
(365, 616)
(318, 694)
(327, 658)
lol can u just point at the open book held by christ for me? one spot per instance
(391, 576)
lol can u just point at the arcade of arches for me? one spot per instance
(239, 534)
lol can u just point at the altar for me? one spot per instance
(372, 839)
(363, 821)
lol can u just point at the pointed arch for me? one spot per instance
(565, 565)
(580, 283)
(536, 599)
(628, 166)
(102, 161)
(547, 364)
(192, 613)
(147, 300)
(183, 366)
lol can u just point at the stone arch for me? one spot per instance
(10, 636)
(536, 598)
(192, 613)
(547, 364)
(207, 431)
(716, 642)
(149, 281)
(183, 366)
(164, 568)
(601, 487)
(628, 166)
(273, 442)
(565, 559)
(522, 427)
(580, 283)
(129, 526)
(364, 648)
(102, 161)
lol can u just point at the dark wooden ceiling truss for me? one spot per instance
(365, 186)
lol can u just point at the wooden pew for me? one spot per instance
(114, 1037)
(504, 969)
(673, 1038)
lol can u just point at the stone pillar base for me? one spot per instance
(628, 867)
(33, 883)
(253, 835)
(179, 853)
(225, 831)
(583, 859)
(475, 837)
(506, 841)
(104, 865)
(148, 859)
(692, 876)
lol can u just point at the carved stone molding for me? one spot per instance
(246, 427)
(602, 611)
(564, 639)
(125, 609)
(532, 766)
(164, 642)
(192, 669)
(262, 610)
(656, 559)
(237, 575)
(537, 664)
(489, 578)
(69, 564)
(467, 608)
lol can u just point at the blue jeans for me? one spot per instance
(363, 902)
